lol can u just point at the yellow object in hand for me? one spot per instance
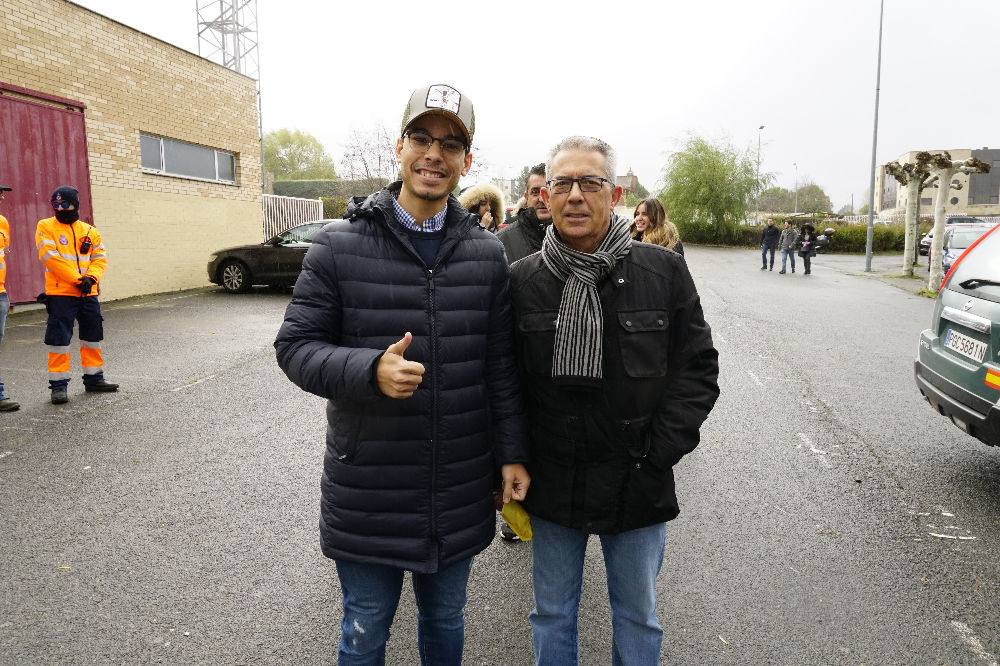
(518, 519)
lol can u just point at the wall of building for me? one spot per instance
(160, 230)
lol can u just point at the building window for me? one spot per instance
(925, 201)
(171, 157)
(954, 201)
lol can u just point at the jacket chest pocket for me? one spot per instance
(537, 333)
(642, 336)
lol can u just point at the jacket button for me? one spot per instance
(638, 465)
(621, 280)
(659, 322)
(628, 323)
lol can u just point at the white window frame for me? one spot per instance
(162, 171)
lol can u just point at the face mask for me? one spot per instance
(67, 216)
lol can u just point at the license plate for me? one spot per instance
(965, 345)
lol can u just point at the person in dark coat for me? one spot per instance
(524, 236)
(806, 244)
(401, 318)
(768, 244)
(619, 372)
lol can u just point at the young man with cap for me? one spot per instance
(6, 404)
(75, 259)
(401, 319)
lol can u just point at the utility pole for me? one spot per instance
(871, 191)
(796, 165)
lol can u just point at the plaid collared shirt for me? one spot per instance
(430, 225)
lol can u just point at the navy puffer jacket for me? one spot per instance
(407, 483)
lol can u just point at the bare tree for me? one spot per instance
(942, 166)
(914, 176)
(370, 155)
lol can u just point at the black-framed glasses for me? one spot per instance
(587, 184)
(535, 191)
(422, 142)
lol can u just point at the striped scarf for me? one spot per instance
(579, 345)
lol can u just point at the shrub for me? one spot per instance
(847, 238)
(334, 207)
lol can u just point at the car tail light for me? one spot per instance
(962, 256)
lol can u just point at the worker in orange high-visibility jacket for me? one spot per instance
(75, 258)
(6, 404)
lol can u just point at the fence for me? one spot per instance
(281, 213)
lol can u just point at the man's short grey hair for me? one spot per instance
(585, 143)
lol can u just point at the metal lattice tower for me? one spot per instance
(227, 34)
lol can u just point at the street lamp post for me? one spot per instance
(871, 183)
(757, 216)
(796, 165)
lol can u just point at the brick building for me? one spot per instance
(162, 144)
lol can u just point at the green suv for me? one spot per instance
(958, 360)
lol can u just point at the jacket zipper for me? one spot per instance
(434, 407)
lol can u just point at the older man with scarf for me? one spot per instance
(619, 372)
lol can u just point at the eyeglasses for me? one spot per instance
(422, 142)
(535, 191)
(587, 184)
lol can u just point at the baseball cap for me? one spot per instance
(66, 197)
(444, 100)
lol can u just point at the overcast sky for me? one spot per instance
(640, 75)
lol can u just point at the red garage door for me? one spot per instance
(43, 144)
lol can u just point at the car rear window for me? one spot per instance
(982, 263)
(963, 238)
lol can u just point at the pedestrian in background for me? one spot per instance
(6, 404)
(650, 225)
(75, 259)
(807, 247)
(789, 236)
(611, 409)
(401, 319)
(768, 244)
(524, 236)
(486, 201)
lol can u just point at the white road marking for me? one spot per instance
(805, 440)
(5, 454)
(194, 383)
(972, 642)
(754, 377)
(952, 536)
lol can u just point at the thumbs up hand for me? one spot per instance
(397, 377)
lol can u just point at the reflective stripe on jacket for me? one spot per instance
(59, 251)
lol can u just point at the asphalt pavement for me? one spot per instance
(828, 517)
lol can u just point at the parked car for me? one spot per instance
(957, 239)
(276, 262)
(957, 368)
(924, 246)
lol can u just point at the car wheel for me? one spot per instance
(235, 277)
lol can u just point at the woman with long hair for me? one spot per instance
(650, 225)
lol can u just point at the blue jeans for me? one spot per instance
(787, 254)
(766, 250)
(632, 560)
(371, 595)
(4, 307)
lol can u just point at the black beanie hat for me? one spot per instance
(64, 197)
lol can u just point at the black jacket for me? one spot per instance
(769, 236)
(601, 459)
(407, 483)
(524, 236)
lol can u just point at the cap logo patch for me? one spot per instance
(443, 97)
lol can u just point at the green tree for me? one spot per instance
(709, 189)
(296, 155)
(863, 210)
(777, 200)
(845, 210)
(521, 183)
(812, 199)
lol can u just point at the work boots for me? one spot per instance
(101, 386)
(60, 396)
